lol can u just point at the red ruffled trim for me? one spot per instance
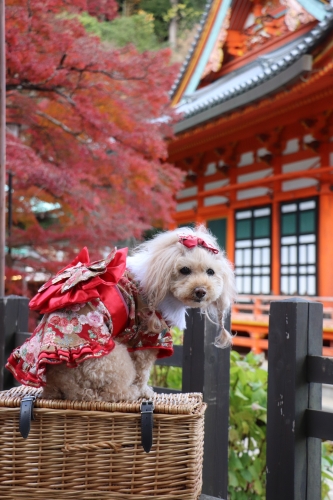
(72, 358)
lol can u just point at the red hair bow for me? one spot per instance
(193, 241)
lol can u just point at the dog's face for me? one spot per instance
(197, 278)
(186, 264)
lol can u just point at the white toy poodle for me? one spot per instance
(106, 322)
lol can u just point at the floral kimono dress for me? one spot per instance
(86, 306)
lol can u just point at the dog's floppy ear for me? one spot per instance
(224, 339)
(152, 263)
(223, 303)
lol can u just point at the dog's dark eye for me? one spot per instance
(210, 272)
(185, 270)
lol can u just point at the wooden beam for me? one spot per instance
(319, 424)
(325, 248)
(223, 210)
(320, 370)
(285, 108)
(293, 458)
(206, 369)
(14, 312)
(267, 181)
(275, 233)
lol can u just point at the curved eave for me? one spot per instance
(194, 55)
(194, 80)
(302, 65)
(211, 20)
(302, 100)
(275, 76)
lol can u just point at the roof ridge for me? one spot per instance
(194, 44)
(268, 72)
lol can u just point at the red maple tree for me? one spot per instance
(85, 142)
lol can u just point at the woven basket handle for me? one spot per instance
(91, 447)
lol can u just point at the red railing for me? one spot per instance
(250, 321)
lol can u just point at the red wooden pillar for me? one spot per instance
(199, 219)
(275, 248)
(230, 237)
(231, 229)
(325, 247)
(275, 239)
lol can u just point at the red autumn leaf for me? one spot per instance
(86, 143)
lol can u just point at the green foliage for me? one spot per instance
(188, 12)
(151, 233)
(168, 376)
(137, 29)
(186, 15)
(158, 8)
(326, 468)
(177, 336)
(147, 24)
(247, 431)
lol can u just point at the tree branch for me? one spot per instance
(62, 125)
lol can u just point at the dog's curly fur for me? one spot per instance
(158, 265)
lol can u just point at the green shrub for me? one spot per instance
(326, 468)
(137, 29)
(247, 431)
(247, 428)
(168, 376)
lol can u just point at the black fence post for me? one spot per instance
(293, 460)
(206, 369)
(14, 314)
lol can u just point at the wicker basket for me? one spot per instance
(92, 451)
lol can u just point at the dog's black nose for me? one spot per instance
(200, 292)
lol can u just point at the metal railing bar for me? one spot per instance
(320, 369)
(165, 390)
(319, 424)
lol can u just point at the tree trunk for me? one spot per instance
(128, 7)
(173, 27)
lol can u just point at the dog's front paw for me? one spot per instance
(146, 392)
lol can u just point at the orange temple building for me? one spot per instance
(255, 141)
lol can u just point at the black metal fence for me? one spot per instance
(206, 369)
(296, 425)
(14, 312)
